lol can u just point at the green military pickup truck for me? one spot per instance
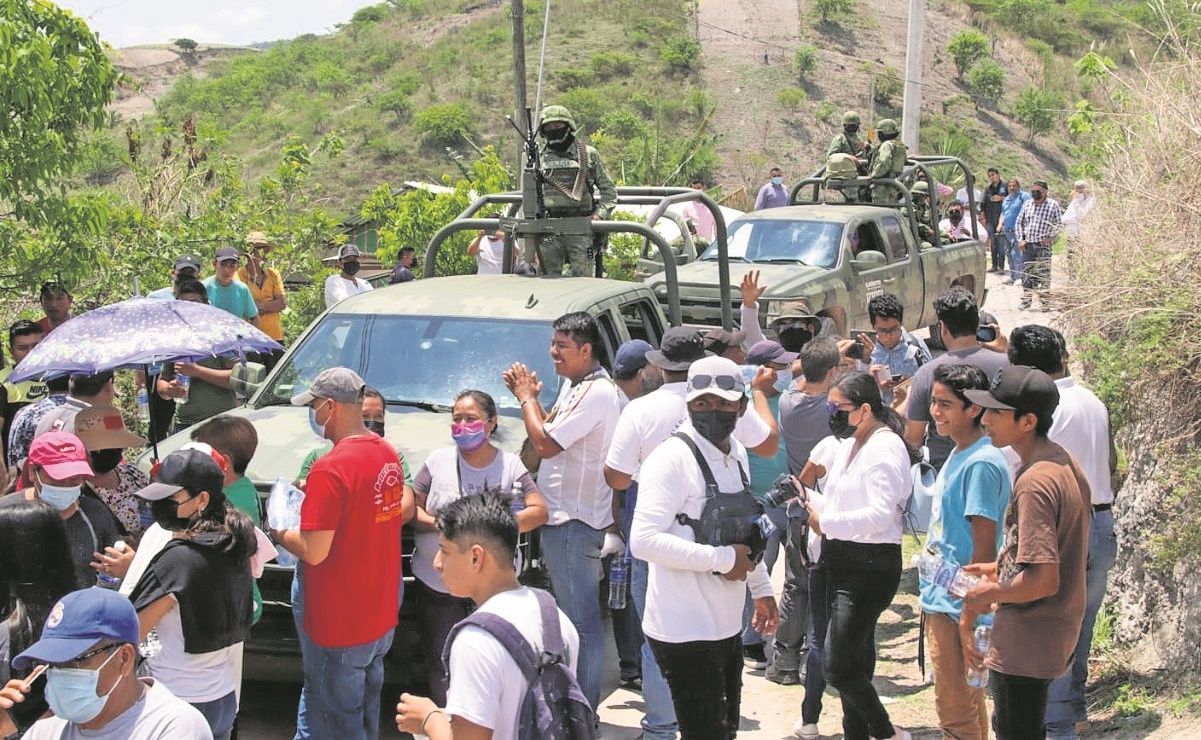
(831, 257)
(420, 344)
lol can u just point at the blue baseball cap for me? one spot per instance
(631, 357)
(79, 621)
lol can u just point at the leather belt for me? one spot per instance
(1098, 508)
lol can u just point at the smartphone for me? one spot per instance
(857, 351)
(896, 378)
(986, 334)
(869, 334)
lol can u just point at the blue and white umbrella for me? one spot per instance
(140, 333)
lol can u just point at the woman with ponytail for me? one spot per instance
(866, 489)
(196, 592)
(474, 465)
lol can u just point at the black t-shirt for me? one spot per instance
(213, 590)
(89, 530)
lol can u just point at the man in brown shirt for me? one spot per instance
(1037, 583)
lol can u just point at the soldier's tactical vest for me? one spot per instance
(897, 151)
(568, 191)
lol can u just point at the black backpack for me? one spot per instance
(728, 518)
(554, 707)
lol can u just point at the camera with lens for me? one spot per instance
(782, 490)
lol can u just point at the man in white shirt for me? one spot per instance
(476, 550)
(95, 631)
(693, 618)
(489, 251)
(572, 440)
(645, 423)
(1080, 425)
(343, 285)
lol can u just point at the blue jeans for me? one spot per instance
(1015, 255)
(571, 552)
(1065, 698)
(659, 721)
(341, 694)
(779, 518)
(220, 714)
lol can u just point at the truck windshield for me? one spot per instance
(419, 360)
(814, 243)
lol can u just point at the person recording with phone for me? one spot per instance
(897, 354)
(861, 524)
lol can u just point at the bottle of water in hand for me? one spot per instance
(940, 571)
(977, 678)
(619, 579)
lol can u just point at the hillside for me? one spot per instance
(376, 80)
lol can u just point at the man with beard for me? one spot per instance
(575, 184)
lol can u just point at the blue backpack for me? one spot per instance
(554, 707)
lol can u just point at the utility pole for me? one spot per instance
(911, 114)
(519, 97)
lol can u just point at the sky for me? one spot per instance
(132, 22)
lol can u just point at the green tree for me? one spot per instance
(187, 46)
(828, 10)
(987, 80)
(1036, 108)
(681, 53)
(55, 81)
(804, 60)
(445, 124)
(967, 47)
(889, 85)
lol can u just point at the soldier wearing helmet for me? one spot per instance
(920, 192)
(888, 161)
(850, 142)
(576, 184)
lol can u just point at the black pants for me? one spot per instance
(860, 585)
(1019, 706)
(706, 685)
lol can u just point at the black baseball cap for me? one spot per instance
(718, 341)
(192, 469)
(1018, 388)
(680, 348)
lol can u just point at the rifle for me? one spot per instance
(533, 203)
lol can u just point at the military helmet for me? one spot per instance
(841, 167)
(921, 187)
(886, 126)
(850, 118)
(553, 113)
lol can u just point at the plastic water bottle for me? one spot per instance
(143, 404)
(977, 678)
(151, 646)
(107, 580)
(944, 573)
(619, 580)
(517, 498)
(185, 382)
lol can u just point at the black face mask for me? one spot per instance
(851, 129)
(351, 268)
(840, 424)
(955, 216)
(715, 426)
(166, 515)
(1038, 194)
(375, 426)
(105, 460)
(562, 142)
(794, 338)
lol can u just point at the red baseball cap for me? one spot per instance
(61, 454)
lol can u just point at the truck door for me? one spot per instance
(873, 272)
(906, 270)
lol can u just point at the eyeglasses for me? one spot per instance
(723, 382)
(86, 656)
(833, 408)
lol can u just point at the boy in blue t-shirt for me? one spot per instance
(975, 488)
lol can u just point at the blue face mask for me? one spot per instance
(777, 181)
(783, 380)
(60, 497)
(71, 692)
(318, 429)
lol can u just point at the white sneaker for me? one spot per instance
(804, 731)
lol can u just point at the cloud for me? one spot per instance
(240, 17)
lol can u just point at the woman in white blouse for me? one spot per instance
(866, 489)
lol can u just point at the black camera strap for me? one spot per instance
(711, 489)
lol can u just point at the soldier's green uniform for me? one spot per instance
(840, 167)
(888, 161)
(849, 141)
(577, 184)
(921, 211)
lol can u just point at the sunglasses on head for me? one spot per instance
(723, 382)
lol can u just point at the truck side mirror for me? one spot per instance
(869, 259)
(246, 379)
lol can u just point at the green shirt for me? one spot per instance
(205, 400)
(242, 495)
(312, 458)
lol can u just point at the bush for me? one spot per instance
(681, 53)
(395, 102)
(370, 14)
(586, 104)
(804, 60)
(445, 124)
(569, 78)
(824, 112)
(623, 124)
(888, 85)
(612, 64)
(828, 10)
(967, 47)
(1035, 108)
(792, 98)
(987, 80)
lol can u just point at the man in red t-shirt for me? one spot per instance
(56, 302)
(347, 590)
